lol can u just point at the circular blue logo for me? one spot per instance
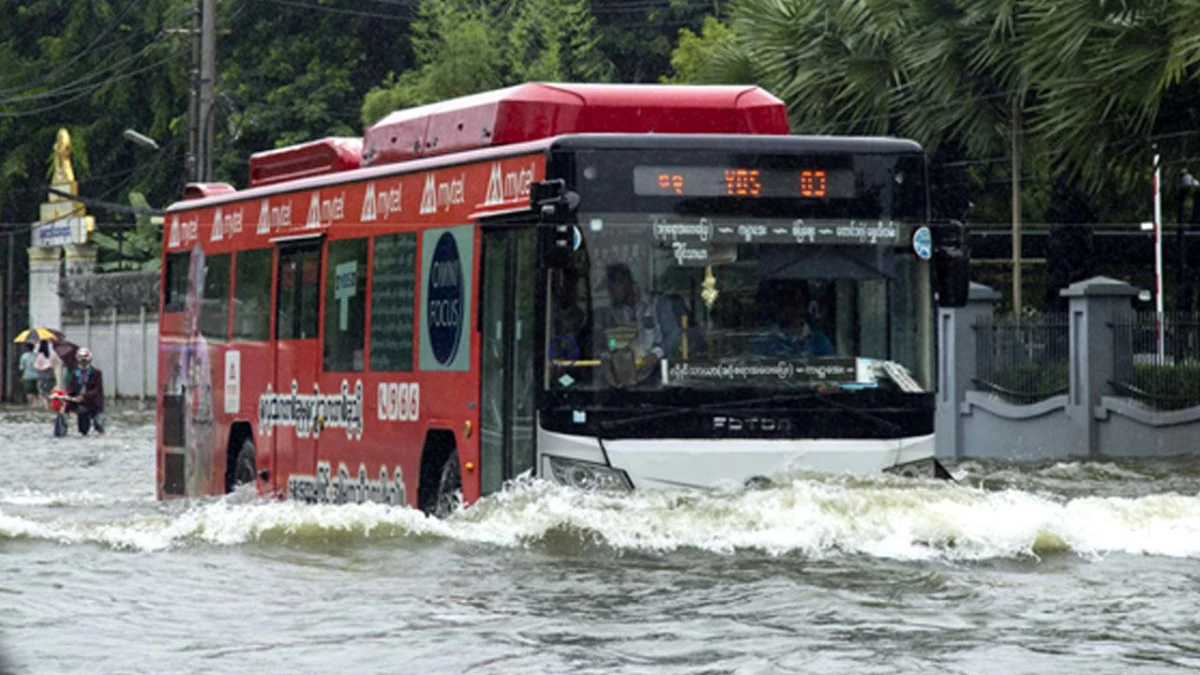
(444, 300)
(923, 243)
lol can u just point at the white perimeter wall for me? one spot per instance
(124, 351)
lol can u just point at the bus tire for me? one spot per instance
(245, 470)
(449, 489)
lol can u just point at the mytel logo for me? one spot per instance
(445, 299)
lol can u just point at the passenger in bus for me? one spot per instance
(570, 317)
(792, 332)
(639, 328)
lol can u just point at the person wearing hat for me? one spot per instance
(85, 390)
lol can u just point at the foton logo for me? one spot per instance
(379, 205)
(325, 211)
(751, 424)
(507, 187)
(183, 233)
(274, 217)
(442, 195)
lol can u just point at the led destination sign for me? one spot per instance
(733, 181)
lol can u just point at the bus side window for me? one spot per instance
(175, 284)
(393, 297)
(345, 305)
(214, 309)
(299, 293)
(252, 295)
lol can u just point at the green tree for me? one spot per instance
(138, 248)
(95, 68)
(294, 73)
(464, 47)
(1090, 86)
(638, 36)
(1114, 78)
(697, 55)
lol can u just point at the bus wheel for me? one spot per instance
(449, 490)
(245, 470)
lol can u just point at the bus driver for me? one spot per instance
(640, 330)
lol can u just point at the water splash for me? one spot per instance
(819, 518)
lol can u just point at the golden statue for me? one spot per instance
(64, 175)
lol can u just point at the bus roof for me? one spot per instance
(524, 113)
(537, 110)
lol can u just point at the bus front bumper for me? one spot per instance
(586, 462)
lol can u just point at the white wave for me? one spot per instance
(30, 497)
(882, 518)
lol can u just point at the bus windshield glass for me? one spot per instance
(706, 289)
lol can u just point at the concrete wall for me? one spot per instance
(123, 347)
(115, 315)
(1091, 420)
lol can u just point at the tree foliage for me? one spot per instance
(464, 47)
(1094, 88)
(291, 74)
(95, 68)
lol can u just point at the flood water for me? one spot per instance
(1065, 567)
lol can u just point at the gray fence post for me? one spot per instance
(1094, 305)
(957, 346)
(145, 367)
(116, 355)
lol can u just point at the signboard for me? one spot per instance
(73, 230)
(784, 371)
(447, 256)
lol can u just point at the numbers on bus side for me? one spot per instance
(399, 401)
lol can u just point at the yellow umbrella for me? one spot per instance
(37, 334)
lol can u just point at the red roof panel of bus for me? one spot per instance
(535, 110)
(205, 190)
(326, 155)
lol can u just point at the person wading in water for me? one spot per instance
(85, 390)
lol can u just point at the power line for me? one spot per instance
(345, 12)
(82, 53)
(90, 89)
(106, 205)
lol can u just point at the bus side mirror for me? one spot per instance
(951, 264)
(556, 229)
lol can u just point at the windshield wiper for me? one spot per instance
(891, 427)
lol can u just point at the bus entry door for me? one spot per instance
(507, 408)
(297, 355)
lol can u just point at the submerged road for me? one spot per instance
(1064, 567)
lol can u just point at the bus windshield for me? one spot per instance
(789, 265)
(662, 302)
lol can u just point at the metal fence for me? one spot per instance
(1022, 360)
(1157, 358)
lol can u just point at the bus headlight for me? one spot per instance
(922, 468)
(588, 475)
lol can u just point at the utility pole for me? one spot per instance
(203, 78)
(208, 76)
(1016, 208)
(193, 97)
(8, 311)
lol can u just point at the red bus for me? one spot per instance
(607, 286)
